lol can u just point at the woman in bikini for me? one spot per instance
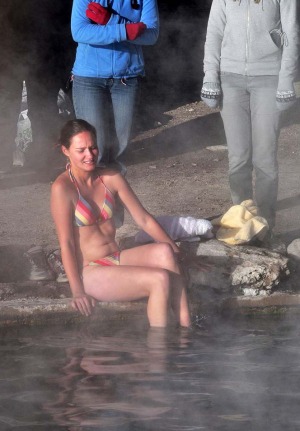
(82, 203)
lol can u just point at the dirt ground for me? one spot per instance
(178, 166)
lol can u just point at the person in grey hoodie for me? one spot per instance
(250, 64)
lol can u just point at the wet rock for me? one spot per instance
(6, 290)
(43, 311)
(33, 289)
(245, 270)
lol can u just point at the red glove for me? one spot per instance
(135, 30)
(97, 13)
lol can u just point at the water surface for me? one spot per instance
(230, 375)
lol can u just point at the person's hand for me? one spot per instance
(211, 94)
(135, 30)
(97, 13)
(285, 99)
(84, 304)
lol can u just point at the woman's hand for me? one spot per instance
(97, 13)
(84, 304)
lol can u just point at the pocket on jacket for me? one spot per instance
(278, 37)
(264, 48)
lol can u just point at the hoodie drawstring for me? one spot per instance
(255, 1)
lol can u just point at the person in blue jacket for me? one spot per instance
(109, 62)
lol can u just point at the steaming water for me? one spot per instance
(232, 376)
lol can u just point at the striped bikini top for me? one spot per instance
(84, 213)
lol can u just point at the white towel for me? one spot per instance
(179, 228)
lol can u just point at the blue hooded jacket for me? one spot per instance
(103, 50)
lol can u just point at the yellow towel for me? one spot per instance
(240, 224)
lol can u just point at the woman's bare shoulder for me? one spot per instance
(107, 172)
(110, 177)
(62, 183)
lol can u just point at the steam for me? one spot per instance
(36, 47)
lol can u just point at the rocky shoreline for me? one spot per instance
(177, 167)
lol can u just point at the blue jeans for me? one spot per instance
(93, 98)
(251, 122)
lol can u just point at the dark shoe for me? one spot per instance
(273, 243)
(55, 263)
(264, 241)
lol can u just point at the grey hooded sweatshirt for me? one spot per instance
(252, 37)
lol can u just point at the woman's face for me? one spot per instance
(83, 151)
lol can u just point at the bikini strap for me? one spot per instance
(106, 188)
(72, 178)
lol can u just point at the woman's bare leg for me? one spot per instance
(123, 283)
(162, 256)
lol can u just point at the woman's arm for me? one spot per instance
(214, 38)
(150, 18)
(290, 53)
(62, 210)
(143, 219)
(83, 31)
(124, 8)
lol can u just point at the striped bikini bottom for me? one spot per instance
(111, 260)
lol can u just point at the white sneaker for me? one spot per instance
(39, 269)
